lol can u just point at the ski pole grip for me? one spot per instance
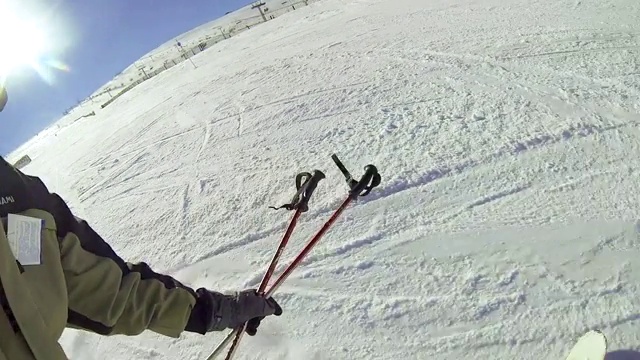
(308, 188)
(369, 180)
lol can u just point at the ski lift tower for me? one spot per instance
(259, 6)
(184, 53)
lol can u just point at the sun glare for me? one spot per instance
(24, 42)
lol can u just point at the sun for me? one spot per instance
(23, 42)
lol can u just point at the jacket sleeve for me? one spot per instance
(107, 295)
(110, 296)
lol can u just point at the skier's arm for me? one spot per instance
(109, 296)
(105, 294)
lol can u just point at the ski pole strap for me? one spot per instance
(306, 184)
(369, 180)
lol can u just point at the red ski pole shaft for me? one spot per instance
(292, 266)
(239, 332)
(300, 203)
(305, 251)
(276, 257)
(368, 181)
(222, 345)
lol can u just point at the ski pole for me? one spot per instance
(305, 251)
(306, 184)
(289, 269)
(369, 180)
(300, 204)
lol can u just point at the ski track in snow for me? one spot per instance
(506, 134)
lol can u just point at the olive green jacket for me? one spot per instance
(80, 283)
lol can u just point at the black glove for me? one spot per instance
(215, 311)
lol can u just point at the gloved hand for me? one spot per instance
(215, 311)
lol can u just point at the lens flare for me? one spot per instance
(24, 43)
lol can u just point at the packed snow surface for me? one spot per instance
(216, 30)
(506, 133)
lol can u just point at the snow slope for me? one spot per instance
(507, 136)
(219, 29)
(231, 24)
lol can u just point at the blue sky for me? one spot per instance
(100, 38)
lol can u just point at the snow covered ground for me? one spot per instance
(507, 136)
(169, 54)
(219, 29)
